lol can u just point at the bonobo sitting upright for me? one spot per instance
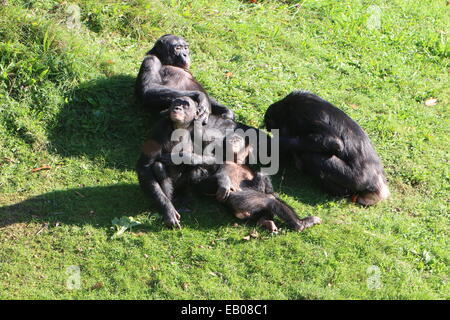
(159, 181)
(164, 76)
(248, 194)
(328, 145)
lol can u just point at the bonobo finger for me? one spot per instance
(202, 117)
(173, 223)
(222, 194)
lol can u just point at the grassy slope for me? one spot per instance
(66, 100)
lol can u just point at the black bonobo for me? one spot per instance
(329, 146)
(248, 194)
(164, 76)
(159, 181)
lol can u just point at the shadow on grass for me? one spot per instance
(102, 122)
(98, 206)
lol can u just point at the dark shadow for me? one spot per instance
(101, 121)
(98, 206)
(299, 186)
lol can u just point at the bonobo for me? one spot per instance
(164, 76)
(248, 194)
(159, 181)
(328, 145)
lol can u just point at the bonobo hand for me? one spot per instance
(223, 193)
(203, 108)
(172, 219)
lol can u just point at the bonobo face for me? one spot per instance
(173, 50)
(235, 142)
(183, 111)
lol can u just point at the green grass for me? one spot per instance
(66, 101)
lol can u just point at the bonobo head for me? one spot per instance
(172, 50)
(182, 112)
(275, 117)
(237, 149)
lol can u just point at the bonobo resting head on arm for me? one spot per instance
(328, 145)
(164, 76)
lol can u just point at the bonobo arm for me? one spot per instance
(261, 183)
(220, 109)
(154, 95)
(224, 185)
(322, 138)
(189, 159)
(153, 189)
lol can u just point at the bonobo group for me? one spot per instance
(195, 145)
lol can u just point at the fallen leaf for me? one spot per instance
(353, 106)
(247, 238)
(431, 102)
(228, 74)
(254, 234)
(185, 286)
(41, 168)
(96, 286)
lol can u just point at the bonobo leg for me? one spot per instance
(152, 188)
(332, 173)
(256, 202)
(163, 179)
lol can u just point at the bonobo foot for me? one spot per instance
(307, 223)
(267, 224)
(242, 215)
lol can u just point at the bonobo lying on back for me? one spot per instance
(249, 195)
(328, 145)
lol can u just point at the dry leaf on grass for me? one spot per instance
(41, 168)
(431, 102)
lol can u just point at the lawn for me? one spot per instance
(71, 132)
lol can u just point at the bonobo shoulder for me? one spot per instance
(151, 61)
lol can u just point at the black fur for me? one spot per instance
(328, 145)
(164, 75)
